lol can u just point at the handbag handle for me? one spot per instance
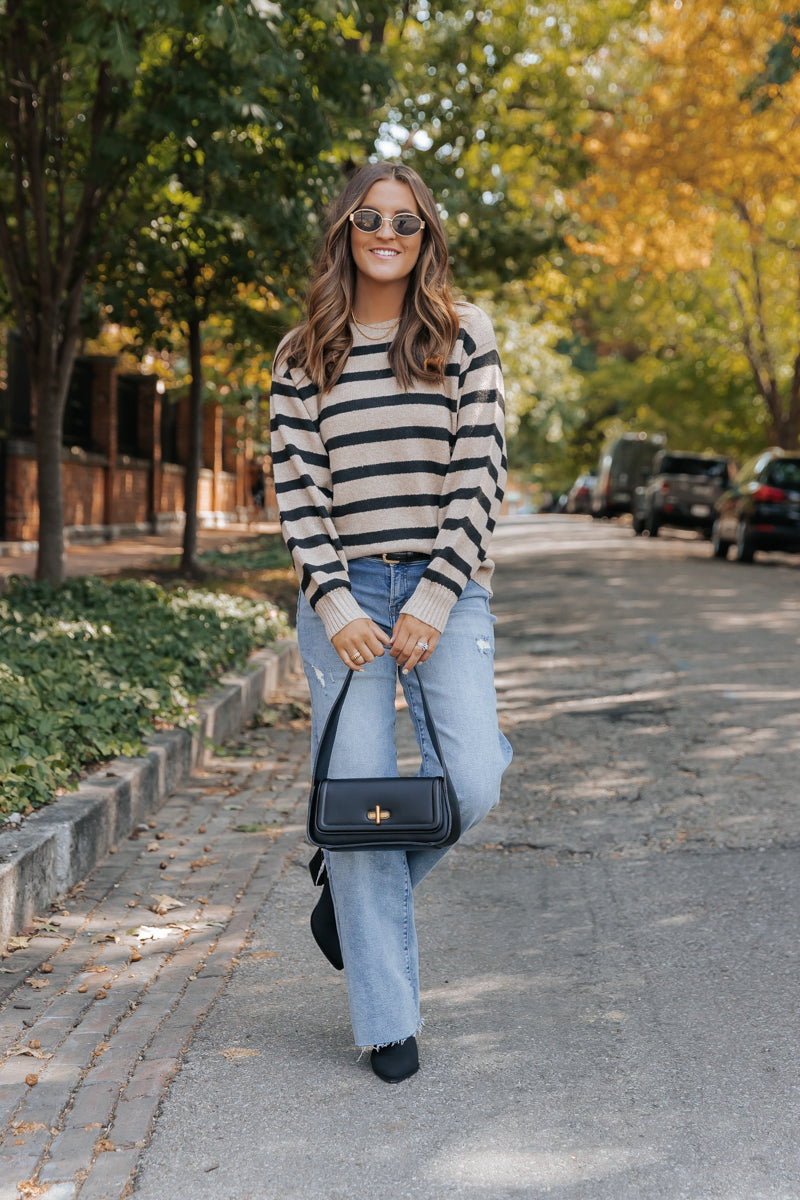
(322, 761)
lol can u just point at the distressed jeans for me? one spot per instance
(373, 891)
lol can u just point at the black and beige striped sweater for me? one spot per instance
(369, 468)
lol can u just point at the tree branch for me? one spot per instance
(762, 381)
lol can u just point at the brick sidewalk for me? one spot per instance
(97, 1009)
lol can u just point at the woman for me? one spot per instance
(389, 462)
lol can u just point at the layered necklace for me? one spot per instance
(385, 327)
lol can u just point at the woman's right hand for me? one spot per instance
(360, 642)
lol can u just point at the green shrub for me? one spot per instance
(88, 668)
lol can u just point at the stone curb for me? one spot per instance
(60, 845)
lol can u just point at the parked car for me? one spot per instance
(624, 466)
(681, 492)
(762, 509)
(579, 496)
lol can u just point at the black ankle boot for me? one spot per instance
(397, 1061)
(323, 918)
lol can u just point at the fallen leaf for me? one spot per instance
(261, 955)
(104, 1146)
(18, 1051)
(164, 903)
(149, 932)
(37, 984)
(18, 943)
(31, 1080)
(153, 846)
(234, 1053)
(104, 937)
(96, 970)
(29, 1188)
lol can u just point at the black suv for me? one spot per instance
(762, 509)
(681, 491)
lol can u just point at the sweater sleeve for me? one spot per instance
(304, 494)
(475, 482)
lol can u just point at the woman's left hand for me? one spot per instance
(412, 641)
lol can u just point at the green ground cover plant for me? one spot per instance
(89, 669)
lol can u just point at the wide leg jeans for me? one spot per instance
(373, 891)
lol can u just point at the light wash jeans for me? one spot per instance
(373, 890)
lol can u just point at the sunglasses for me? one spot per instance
(367, 220)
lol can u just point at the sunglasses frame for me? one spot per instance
(384, 220)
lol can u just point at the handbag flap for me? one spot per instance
(392, 805)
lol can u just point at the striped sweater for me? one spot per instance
(369, 468)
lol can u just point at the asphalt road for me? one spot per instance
(609, 963)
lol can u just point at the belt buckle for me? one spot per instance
(392, 562)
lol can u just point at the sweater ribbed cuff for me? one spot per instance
(431, 603)
(337, 609)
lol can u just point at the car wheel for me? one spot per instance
(719, 546)
(744, 543)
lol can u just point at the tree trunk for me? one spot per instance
(49, 488)
(784, 430)
(190, 563)
(50, 364)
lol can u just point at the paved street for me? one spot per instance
(609, 963)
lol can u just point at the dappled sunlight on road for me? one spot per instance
(663, 703)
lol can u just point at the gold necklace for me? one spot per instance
(378, 324)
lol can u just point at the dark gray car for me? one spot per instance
(681, 492)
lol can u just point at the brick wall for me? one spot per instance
(131, 501)
(22, 508)
(172, 489)
(103, 487)
(226, 493)
(84, 491)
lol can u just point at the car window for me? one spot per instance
(675, 464)
(784, 473)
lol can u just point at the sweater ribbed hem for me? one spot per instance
(337, 609)
(431, 603)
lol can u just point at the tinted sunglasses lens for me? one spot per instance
(367, 220)
(406, 224)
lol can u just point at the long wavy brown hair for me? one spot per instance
(428, 323)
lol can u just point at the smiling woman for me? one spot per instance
(386, 254)
(389, 461)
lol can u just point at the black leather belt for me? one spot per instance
(403, 556)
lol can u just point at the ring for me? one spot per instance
(355, 655)
(423, 646)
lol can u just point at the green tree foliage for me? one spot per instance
(95, 100)
(490, 103)
(228, 212)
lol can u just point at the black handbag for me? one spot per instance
(401, 813)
